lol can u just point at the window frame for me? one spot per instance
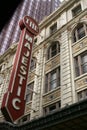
(24, 119)
(29, 92)
(46, 110)
(49, 81)
(50, 51)
(76, 10)
(33, 64)
(79, 65)
(83, 94)
(79, 32)
(53, 28)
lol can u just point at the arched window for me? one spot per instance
(79, 32)
(53, 50)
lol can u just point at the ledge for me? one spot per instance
(69, 113)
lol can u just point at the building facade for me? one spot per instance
(58, 73)
(37, 9)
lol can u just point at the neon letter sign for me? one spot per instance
(13, 104)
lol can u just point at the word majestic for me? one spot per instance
(23, 70)
(13, 104)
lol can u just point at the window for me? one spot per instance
(53, 28)
(52, 80)
(33, 64)
(0, 68)
(82, 95)
(81, 64)
(84, 63)
(53, 50)
(24, 119)
(76, 10)
(79, 32)
(52, 108)
(35, 40)
(29, 92)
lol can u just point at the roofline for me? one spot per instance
(56, 13)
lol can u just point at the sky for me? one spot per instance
(7, 7)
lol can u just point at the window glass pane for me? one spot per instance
(53, 82)
(53, 50)
(29, 92)
(74, 37)
(46, 83)
(85, 93)
(84, 68)
(80, 96)
(81, 32)
(77, 71)
(59, 104)
(53, 28)
(58, 77)
(52, 108)
(81, 64)
(84, 63)
(33, 64)
(76, 10)
(84, 58)
(24, 119)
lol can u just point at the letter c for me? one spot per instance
(14, 101)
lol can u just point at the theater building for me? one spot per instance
(56, 94)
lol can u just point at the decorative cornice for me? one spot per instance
(62, 29)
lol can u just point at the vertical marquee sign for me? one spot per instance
(13, 104)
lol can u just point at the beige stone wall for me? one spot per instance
(66, 84)
(51, 97)
(79, 46)
(52, 63)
